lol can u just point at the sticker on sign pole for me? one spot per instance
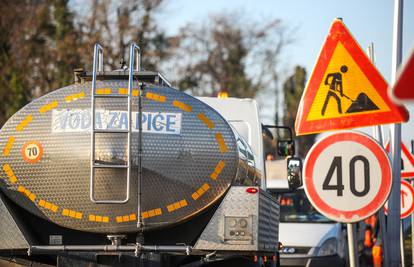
(347, 176)
(345, 89)
(407, 200)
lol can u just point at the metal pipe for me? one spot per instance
(109, 248)
(412, 217)
(97, 66)
(378, 134)
(134, 48)
(394, 201)
(402, 244)
(352, 248)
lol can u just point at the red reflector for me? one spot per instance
(264, 258)
(252, 190)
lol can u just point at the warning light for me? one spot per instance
(223, 94)
(252, 190)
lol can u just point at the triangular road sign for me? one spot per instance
(407, 161)
(403, 87)
(345, 90)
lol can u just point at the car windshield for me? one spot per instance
(295, 207)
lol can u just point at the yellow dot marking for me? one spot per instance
(8, 170)
(49, 106)
(103, 91)
(123, 91)
(220, 141)
(132, 217)
(24, 123)
(72, 214)
(118, 219)
(200, 191)
(74, 97)
(8, 146)
(217, 170)
(182, 106)
(202, 117)
(177, 205)
(47, 205)
(156, 97)
(26, 192)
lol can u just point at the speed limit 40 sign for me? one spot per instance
(347, 176)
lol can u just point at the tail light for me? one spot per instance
(252, 190)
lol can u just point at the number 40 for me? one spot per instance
(339, 187)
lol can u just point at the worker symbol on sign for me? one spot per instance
(334, 81)
(335, 85)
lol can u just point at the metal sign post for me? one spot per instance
(352, 246)
(393, 222)
(378, 134)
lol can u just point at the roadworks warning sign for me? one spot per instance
(345, 89)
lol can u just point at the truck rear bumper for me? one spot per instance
(311, 261)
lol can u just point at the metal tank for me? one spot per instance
(190, 155)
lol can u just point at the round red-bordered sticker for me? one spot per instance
(347, 176)
(407, 200)
(32, 151)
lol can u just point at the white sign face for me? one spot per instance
(407, 200)
(347, 176)
(79, 120)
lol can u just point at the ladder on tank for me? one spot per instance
(98, 67)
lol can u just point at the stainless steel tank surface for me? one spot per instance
(189, 160)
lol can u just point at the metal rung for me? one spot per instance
(98, 67)
(108, 166)
(109, 131)
(110, 96)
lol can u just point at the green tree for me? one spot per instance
(43, 41)
(229, 54)
(293, 88)
(115, 24)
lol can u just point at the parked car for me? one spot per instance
(308, 237)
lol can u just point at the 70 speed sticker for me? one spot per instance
(32, 151)
(347, 176)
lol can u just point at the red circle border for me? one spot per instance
(379, 199)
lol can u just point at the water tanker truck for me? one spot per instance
(121, 169)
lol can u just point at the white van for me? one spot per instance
(308, 237)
